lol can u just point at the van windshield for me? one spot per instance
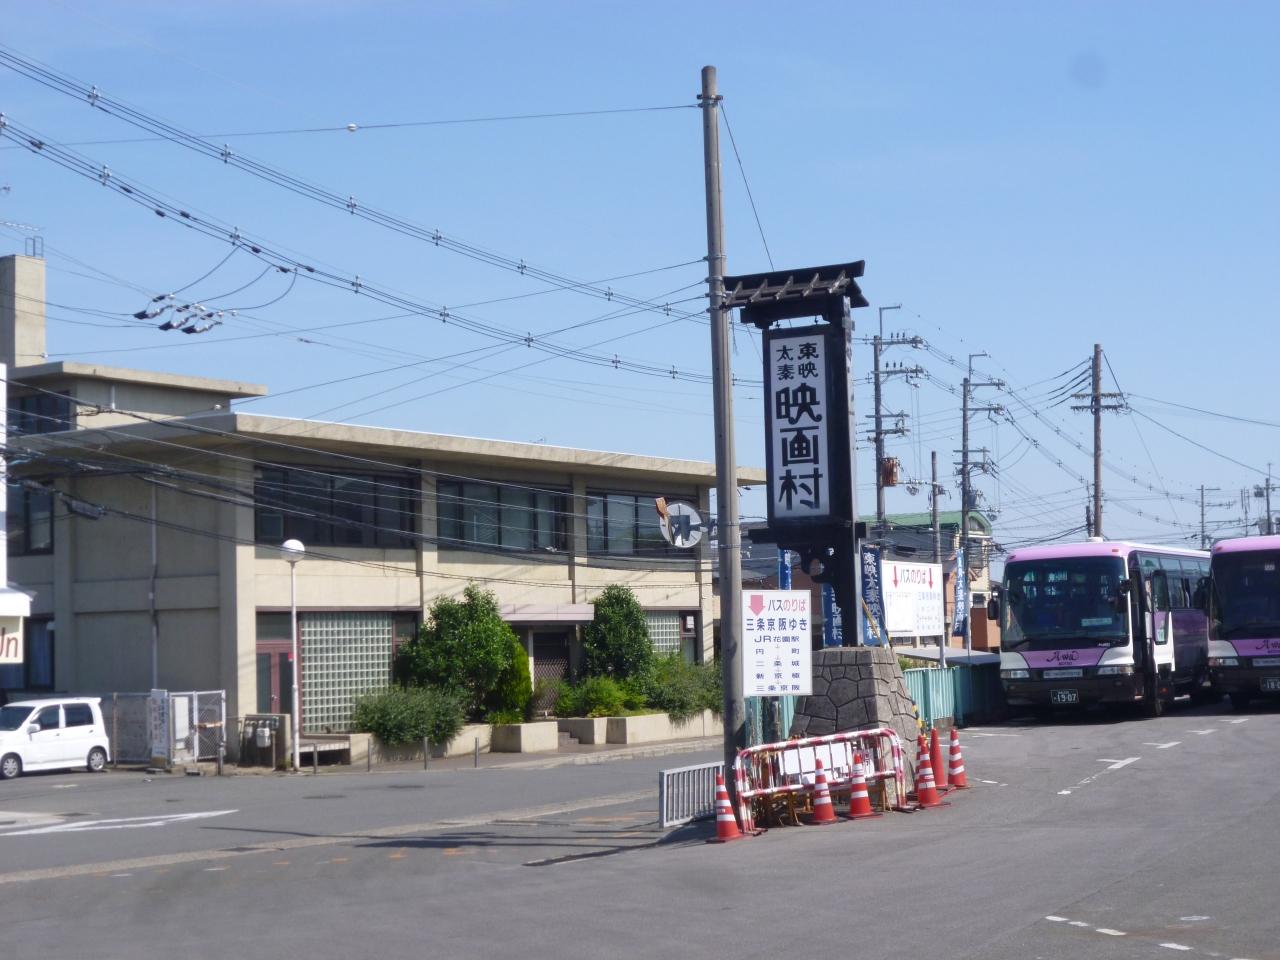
(11, 718)
(1061, 603)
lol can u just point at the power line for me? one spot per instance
(747, 184)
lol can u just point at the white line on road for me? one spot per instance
(1163, 746)
(1233, 719)
(1175, 946)
(1057, 919)
(121, 823)
(1204, 732)
(1117, 764)
(1111, 933)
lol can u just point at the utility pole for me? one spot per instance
(729, 540)
(1204, 536)
(1268, 525)
(878, 344)
(934, 489)
(966, 494)
(1096, 406)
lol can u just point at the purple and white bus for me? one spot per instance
(1244, 618)
(1103, 622)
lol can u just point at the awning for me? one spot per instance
(14, 603)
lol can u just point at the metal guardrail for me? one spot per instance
(687, 793)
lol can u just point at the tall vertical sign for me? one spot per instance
(873, 621)
(960, 620)
(832, 619)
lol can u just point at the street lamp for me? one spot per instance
(293, 551)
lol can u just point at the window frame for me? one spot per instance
(639, 544)
(19, 508)
(323, 508)
(454, 500)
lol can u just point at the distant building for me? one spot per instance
(146, 516)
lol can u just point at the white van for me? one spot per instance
(52, 735)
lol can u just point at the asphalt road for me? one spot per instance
(1082, 838)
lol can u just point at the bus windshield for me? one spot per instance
(1246, 595)
(1064, 603)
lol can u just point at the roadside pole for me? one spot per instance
(728, 533)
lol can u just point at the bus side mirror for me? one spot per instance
(993, 609)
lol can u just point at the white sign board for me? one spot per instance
(158, 727)
(912, 598)
(10, 640)
(796, 384)
(777, 652)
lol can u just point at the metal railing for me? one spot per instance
(687, 793)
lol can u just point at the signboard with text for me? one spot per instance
(10, 640)
(960, 617)
(873, 628)
(777, 655)
(912, 598)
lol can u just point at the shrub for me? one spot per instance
(683, 689)
(505, 716)
(406, 715)
(512, 693)
(593, 697)
(616, 642)
(465, 646)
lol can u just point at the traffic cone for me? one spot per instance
(936, 762)
(726, 822)
(823, 812)
(859, 799)
(956, 772)
(926, 789)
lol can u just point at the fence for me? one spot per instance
(125, 715)
(196, 726)
(687, 793)
(965, 694)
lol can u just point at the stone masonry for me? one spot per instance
(856, 687)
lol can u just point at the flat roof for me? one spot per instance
(1094, 548)
(1247, 544)
(372, 443)
(63, 369)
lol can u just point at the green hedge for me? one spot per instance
(402, 715)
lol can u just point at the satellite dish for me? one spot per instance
(680, 522)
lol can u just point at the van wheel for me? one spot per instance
(97, 760)
(10, 766)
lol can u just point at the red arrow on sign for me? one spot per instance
(931, 578)
(755, 604)
(895, 574)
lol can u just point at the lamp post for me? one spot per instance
(293, 551)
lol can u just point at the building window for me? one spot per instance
(35, 673)
(345, 655)
(30, 520)
(334, 510)
(501, 515)
(664, 632)
(40, 413)
(625, 524)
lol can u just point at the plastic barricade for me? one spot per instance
(787, 768)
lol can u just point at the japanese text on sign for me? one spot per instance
(777, 655)
(799, 484)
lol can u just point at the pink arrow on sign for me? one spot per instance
(895, 574)
(931, 578)
(755, 604)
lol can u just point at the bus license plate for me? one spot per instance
(1063, 674)
(1266, 661)
(1271, 684)
(1067, 696)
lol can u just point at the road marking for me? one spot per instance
(1163, 746)
(215, 869)
(119, 823)
(1061, 793)
(301, 843)
(65, 786)
(1233, 720)
(1175, 946)
(1057, 919)
(1109, 932)
(1117, 764)
(1193, 919)
(115, 875)
(340, 860)
(1077, 923)
(279, 863)
(1204, 732)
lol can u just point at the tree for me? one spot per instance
(465, 646)
(616, 641)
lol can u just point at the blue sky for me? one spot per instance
(1025, 179)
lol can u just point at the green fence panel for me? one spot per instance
(933, 690)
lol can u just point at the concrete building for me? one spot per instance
(149, 513)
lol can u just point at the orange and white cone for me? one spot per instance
(726, 822)
(823, 811)
(936, 762)
(926, 789)
(956, 772)
(859, 799)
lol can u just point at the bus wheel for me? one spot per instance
(1202, 692)
(1239, 702)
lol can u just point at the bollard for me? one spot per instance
(368, 756)
(426, 753)
(315, 760)
(477, 752)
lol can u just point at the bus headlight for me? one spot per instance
(1015, 674)
(1116, 671)
(1224, 661)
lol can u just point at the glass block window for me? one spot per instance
(344, 656)
(664, 632)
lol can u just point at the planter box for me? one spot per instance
(460, 746)
(540, 737)
(585, 729)
(657, 727)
